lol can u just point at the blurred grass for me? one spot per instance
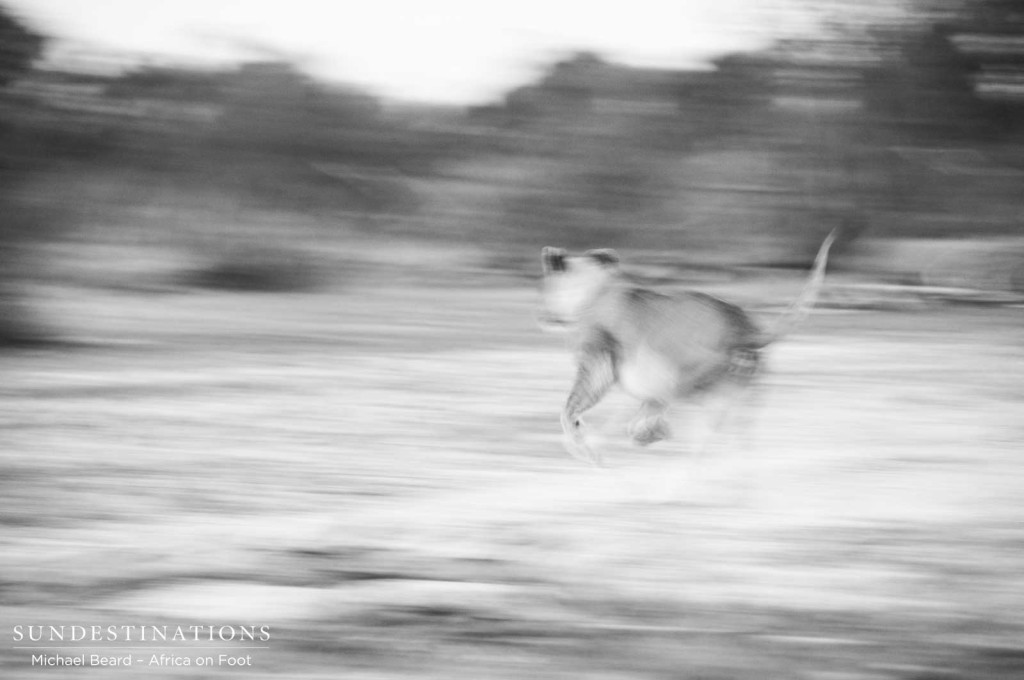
(374, 470)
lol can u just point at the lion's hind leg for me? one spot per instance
(724, 413)
(650, 424)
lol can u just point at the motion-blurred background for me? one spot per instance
(267, 273)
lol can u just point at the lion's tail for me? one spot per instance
(803, 305)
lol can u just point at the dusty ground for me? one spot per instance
(376, 475)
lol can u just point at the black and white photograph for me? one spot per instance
(555, 340)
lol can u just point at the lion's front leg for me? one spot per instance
(595, 375)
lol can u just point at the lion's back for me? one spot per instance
(683, 323)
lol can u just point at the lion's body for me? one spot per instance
(667, 347)
(657, 348)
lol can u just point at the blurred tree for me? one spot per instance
(168, 84)
(731, 101)
(604, 130)
(19, 46)
(945, 112)
(267, 134)
(285, 135)
(923, 86)
(990, 35)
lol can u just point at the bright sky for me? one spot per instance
(458, 51)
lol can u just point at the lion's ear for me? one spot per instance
(606, 257)
(553, 259)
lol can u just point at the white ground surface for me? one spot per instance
(377, 476)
